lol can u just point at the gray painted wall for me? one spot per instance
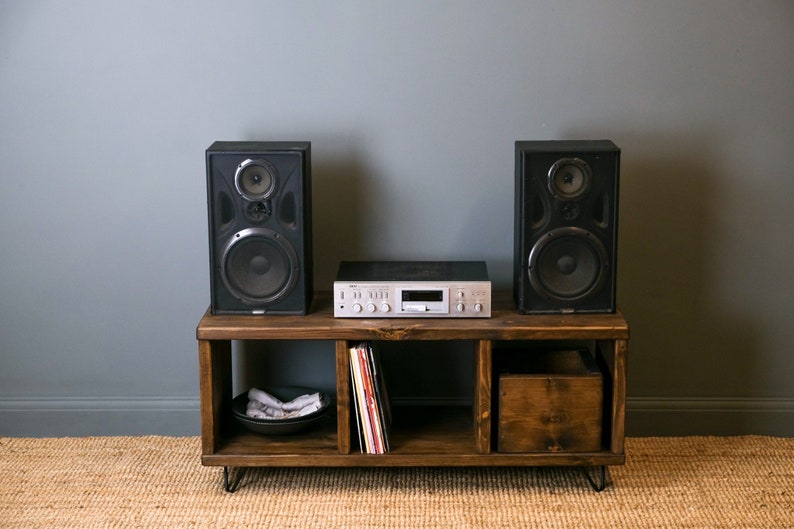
(412, 109)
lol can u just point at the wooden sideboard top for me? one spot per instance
(505, 323)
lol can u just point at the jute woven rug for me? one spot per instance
(154, 482)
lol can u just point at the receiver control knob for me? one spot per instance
(371, 307)
(460, 307)
(478, 307)
(357, 307)
(385, 307)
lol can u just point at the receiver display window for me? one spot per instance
(423, 295)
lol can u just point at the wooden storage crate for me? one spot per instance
(550, 401)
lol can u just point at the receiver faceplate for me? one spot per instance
(410, 289)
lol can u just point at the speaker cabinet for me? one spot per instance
(566, 213)
(260, 227)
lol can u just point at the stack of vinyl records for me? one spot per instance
(371, 401)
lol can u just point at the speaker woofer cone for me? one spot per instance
(568, 264)
(258, 266)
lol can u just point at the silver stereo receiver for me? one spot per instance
(411, 289)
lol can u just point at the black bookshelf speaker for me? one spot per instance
(260, 227)
(566, 216)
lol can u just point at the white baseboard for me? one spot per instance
(51, 417)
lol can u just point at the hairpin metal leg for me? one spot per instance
(601, 483)
(231, 485)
